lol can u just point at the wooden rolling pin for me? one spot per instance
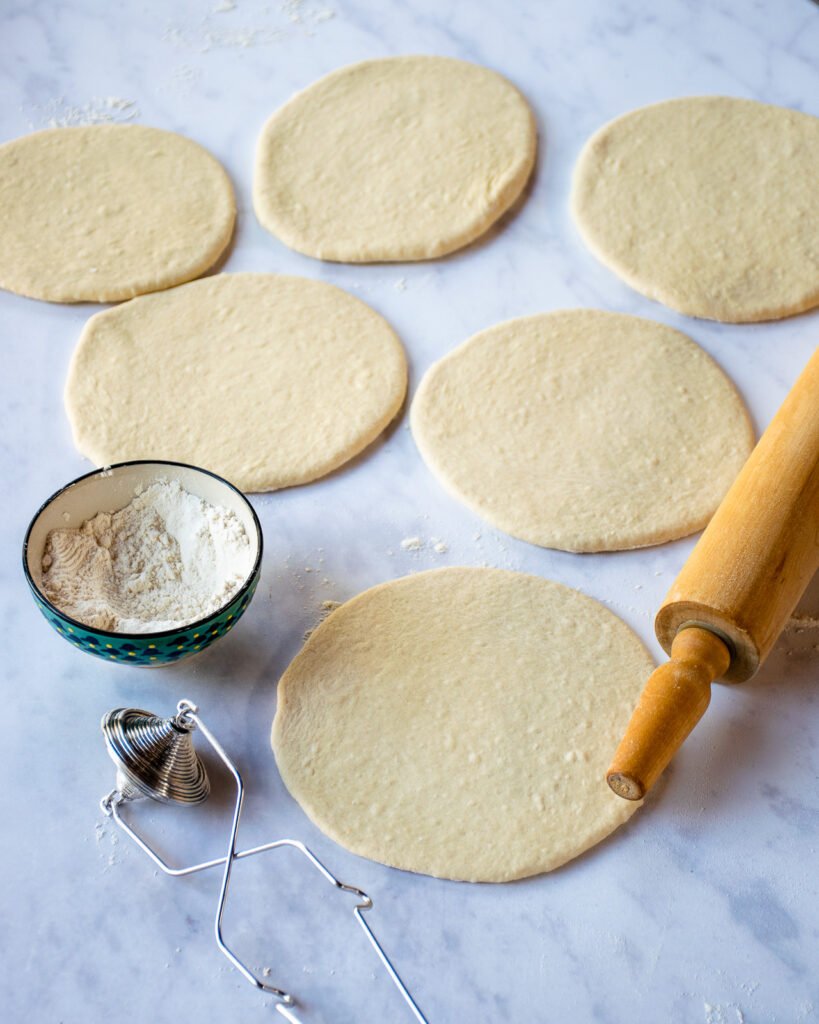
(736, 591)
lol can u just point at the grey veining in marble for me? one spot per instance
(704, 908)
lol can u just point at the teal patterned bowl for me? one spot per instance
(110, 489)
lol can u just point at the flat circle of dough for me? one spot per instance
(106, 212)
(583, 430)
(405, 158)
(266, 379)
(708, 205)
(459, 723)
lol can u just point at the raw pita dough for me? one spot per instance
(106, 212)
(583, 430)
(460, 722)
(399, 159)
(265, 379)
(709, 205)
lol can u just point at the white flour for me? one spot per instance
(165, 560)
(58, 113)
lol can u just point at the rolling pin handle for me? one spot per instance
(673, 701)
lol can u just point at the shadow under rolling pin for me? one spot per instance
(737, 590)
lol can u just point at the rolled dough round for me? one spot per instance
(583, 430)
(265, 379)
(406, 158)
(459, 723)
(105, 212)
(708, 205)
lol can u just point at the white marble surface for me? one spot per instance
(702, 909)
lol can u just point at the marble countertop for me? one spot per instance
(704, 908)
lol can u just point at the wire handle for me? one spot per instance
(187, 717)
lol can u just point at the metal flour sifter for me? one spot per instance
(155, 759)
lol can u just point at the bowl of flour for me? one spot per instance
(144, 563)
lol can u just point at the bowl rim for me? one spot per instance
(159, 634)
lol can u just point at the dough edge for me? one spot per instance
(255, 484)
(153, 282)
(266, 212)
(624, 809)
(600, 545)
(704, 309)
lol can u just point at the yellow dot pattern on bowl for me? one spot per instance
(135, 650)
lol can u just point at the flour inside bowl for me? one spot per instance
(167, 559)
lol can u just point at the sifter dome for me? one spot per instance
(155, 756)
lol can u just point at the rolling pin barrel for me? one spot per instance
(737, 590)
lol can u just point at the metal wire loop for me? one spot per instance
(137, 776)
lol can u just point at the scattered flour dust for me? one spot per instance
(165, 560)
(218, 29)
(806, 613)
(298, 11)
(58, 113)
(728, 1013)
(183, 79)
(327, 608)
(440, 547)
(111, 840)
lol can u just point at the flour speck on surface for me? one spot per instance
(729, 1013)
(215, 31)
(327, 608)
(59, 113)
(183, 79)
(165, 560)
(434, 545)
(800, 621)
